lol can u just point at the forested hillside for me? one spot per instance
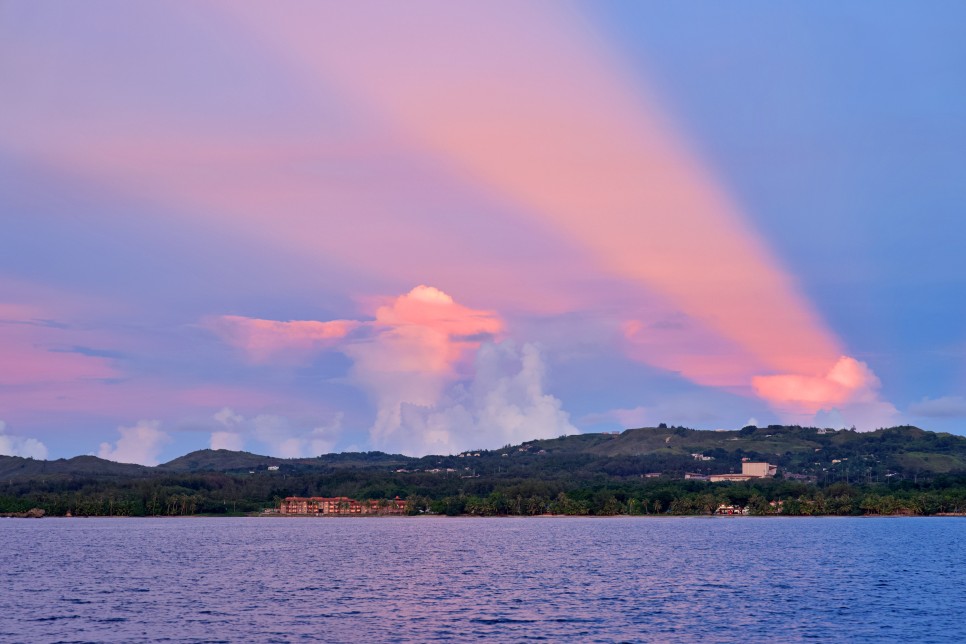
(638, 471)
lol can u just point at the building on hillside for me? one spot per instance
(340, 506)
(749, 471)
(762, 470)
(695, 476)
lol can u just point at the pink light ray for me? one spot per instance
(528, 103)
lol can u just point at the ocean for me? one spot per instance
(426, 579)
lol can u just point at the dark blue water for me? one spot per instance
(426, 579)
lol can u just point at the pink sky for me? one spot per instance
(366, 226)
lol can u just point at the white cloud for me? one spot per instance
(227, 440)
(944, 407)
(20, 446)
(228, 417)
(503, 403)
(865, 416)
(140, 444)
(415, 360)
(230, 437)
(279, 435)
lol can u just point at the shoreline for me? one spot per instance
(944, 515)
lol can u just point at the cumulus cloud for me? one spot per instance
(439, 378)
(20, 446)
(943, 407)
(139, 444)
(503, 403)
(421, 342)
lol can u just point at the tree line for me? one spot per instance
(215, 493)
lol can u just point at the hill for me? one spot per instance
(15, 467)
(903, 452)
(223, 460)
(638, 471)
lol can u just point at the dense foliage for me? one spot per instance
(220, 493)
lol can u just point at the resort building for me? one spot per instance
(340, 505)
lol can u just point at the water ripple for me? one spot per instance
(429, 579)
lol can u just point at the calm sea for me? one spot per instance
(428, 579)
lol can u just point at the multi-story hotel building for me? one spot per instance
(340, 505)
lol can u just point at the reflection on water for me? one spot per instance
(424, 579)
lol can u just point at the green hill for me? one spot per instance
(638, 471)
(806, 451)
(15, 467)
(223, 460)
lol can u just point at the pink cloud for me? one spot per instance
(423, 330)
(35, 352)
(54, 366)
(266, 339)
(848, 381)
(431, 332)
(417, 345)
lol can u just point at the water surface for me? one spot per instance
(432, 579)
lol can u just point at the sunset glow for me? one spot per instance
(374, 227)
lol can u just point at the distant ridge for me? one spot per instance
(902, 450)
(12, 467)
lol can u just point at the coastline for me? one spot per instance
(944, 515)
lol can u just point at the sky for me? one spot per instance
(297, 228)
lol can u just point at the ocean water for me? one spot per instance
(444, 579)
